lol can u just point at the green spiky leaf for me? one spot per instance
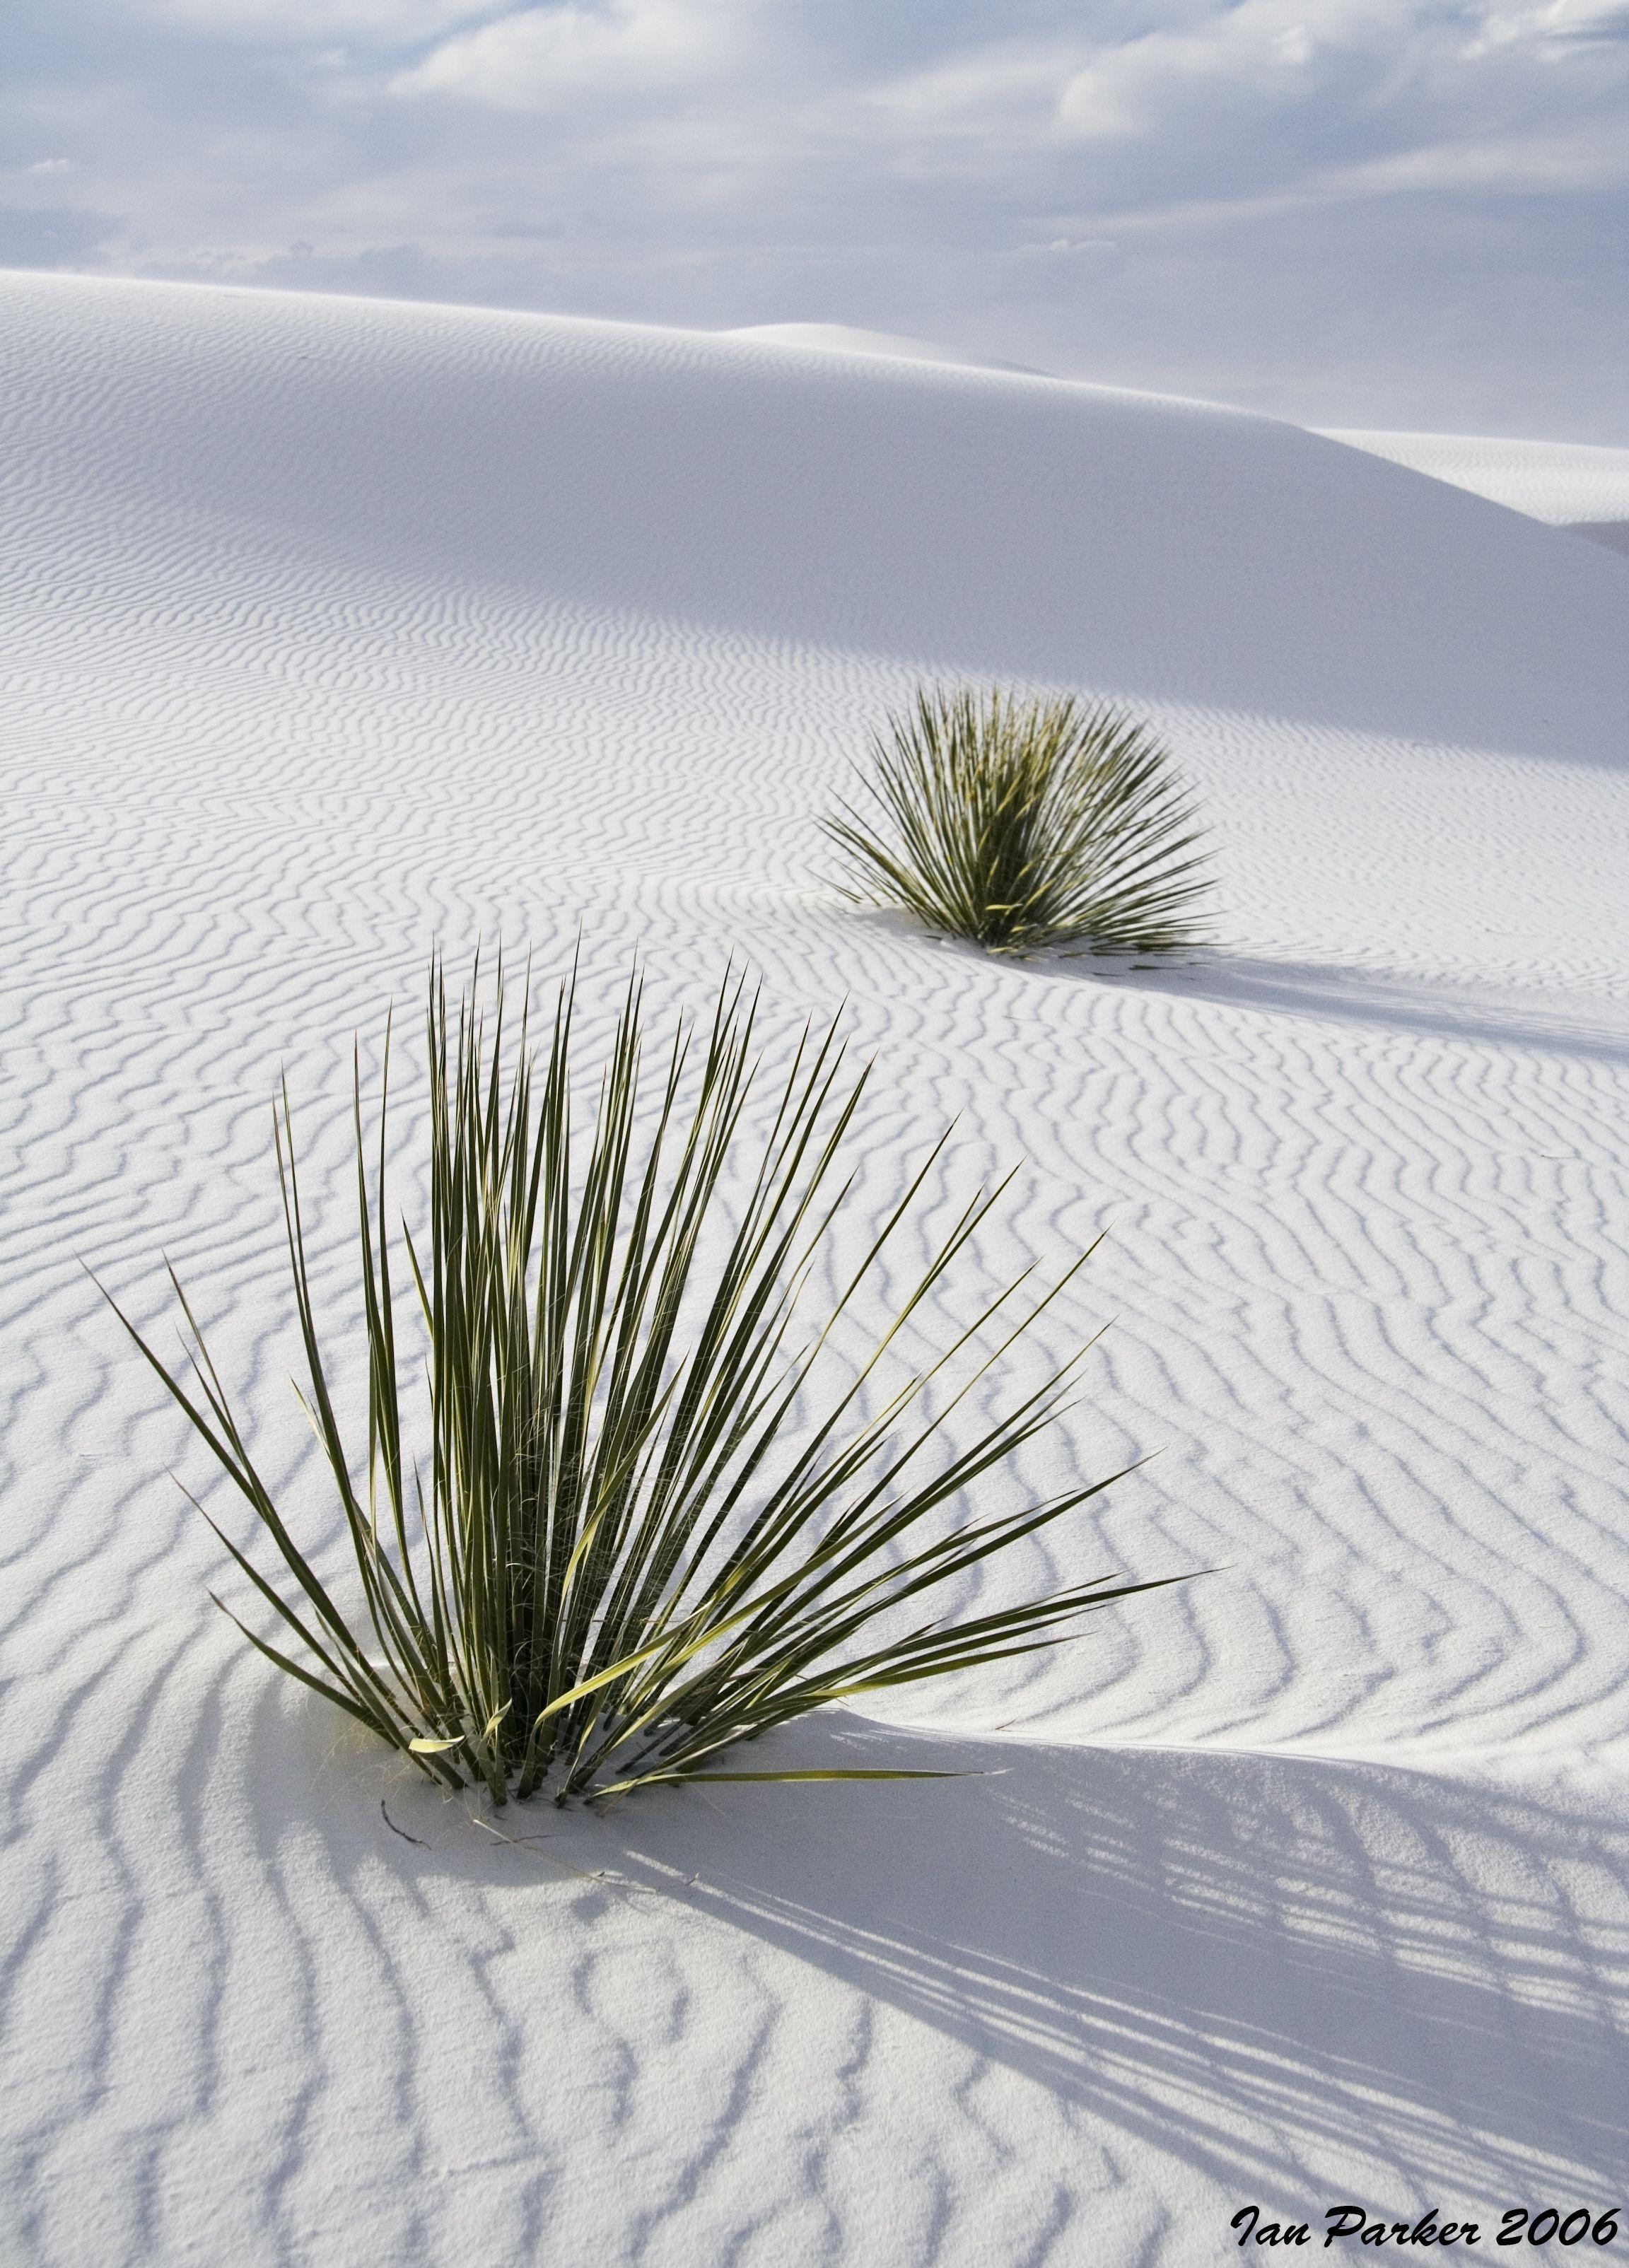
(1021, 824)
(631, 1545)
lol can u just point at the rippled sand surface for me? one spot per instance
(335, 630)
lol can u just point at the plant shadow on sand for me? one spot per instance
(1439, 1007)
(1278, 1971)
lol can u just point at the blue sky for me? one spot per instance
(1361, 212)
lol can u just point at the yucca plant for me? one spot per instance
(1023, 824)
(645, 1522)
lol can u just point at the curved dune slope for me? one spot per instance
(336, 631)
(848, 338)
(930, 514)
(1568, 483)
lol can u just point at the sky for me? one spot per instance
(1347, 212)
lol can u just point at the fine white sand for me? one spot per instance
(335, 630)
(848, 338)
(1569, 483)
(1576, 485)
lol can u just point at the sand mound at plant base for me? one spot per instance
(335, 630)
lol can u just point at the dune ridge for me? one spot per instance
(1571, 485)
(337, 629)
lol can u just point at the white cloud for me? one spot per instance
(1579, 162)
(1260, 56)
(1007, 82)
(383, 23)
(1205, 87)
(544, 56)
(1555, 23)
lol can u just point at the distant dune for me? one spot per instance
(846, 338)
(1569, 483)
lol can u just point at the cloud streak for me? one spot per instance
(542, 59)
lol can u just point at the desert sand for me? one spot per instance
(337, 630)
(1573, 485)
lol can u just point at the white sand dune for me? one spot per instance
(849, 338)
(1571, 485)
(1575, 485)
(338, 629)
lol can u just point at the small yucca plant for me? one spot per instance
(638, 1528)
(1027, 823)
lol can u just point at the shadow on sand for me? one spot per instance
(1436, 1006)
(1276, 1970)
(1243, 1958)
